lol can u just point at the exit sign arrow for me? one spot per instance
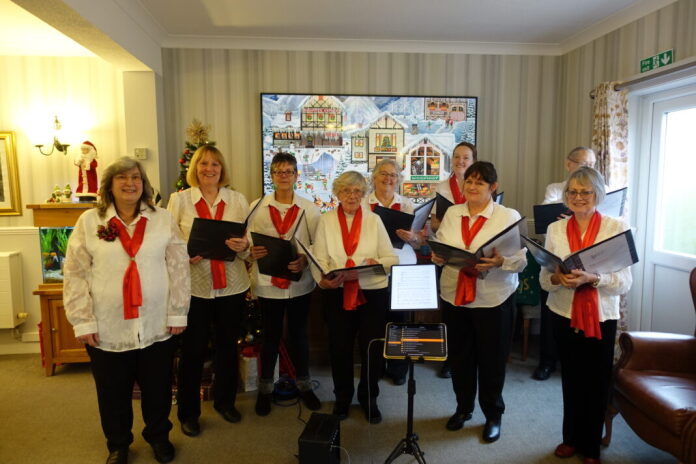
(657, 61)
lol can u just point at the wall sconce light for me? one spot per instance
(63, 148)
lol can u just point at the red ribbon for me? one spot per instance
(132, 289)
(352, 294)
(466, 282)
(217, 267)
(282, 226)
(585, 313)
(456, 193)
(395, 206)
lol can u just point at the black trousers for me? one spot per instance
(586, 373)
(367, 322)
(397, 368)
(479, 346)
(274, 310)
(115, 374)
(222, 317)
(548, 354)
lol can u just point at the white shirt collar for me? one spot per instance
(487, 211)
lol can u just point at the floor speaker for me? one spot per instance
(321, 440)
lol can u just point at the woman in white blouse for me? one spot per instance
(463, 156)
(284, 214)
(218, 290)
(385, 180)
(479, 312)
(351, 235)
(126, 292)
(585, 310)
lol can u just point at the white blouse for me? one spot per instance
(306, 230)
(610, 287)
(500, 282)
(374, 243)
(182, 205)
(406, 254)
(554, 192)
(93, 289)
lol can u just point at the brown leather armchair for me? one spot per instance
(655, 389)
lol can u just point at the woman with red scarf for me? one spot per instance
(218, 290)
(352, 235)
(126, 292)
(585, 309)
(284, 214)
(463, 156)
(479, 312)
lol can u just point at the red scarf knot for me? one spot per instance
(352, 294)
(457, 194)
(217, 267)
(132, 289)
(282, 226)
(395, 206)
(466, 281)
(585, 311)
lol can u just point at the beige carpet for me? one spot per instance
(55, 420)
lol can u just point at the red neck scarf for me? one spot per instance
(217, 267)
(457, 194)
(282, 226)
(352, 294)
(132, 290)
(466, 282)
(395, 206)
(585, 313)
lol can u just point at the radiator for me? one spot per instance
(11, 290)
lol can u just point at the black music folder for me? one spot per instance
(207, 237)
(422, 213)
(498, 198)
(507, 242)
(613, 205)
(610, 255)
(280, 253)
(442, 204)
(394, 220)
(363, 270)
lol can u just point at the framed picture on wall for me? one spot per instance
(330, 134)
(10, 201)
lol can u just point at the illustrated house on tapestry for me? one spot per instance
(450, 109)
(321, 121)
(385, 137)
(358, 146)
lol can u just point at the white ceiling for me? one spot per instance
(455, 26)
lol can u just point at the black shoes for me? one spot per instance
(190, 427)
(340, 410)
(445, 371)
(398, 380)
(310, 400)
(230, 415)
(456, 422)
(263, 404)
(164, 451)
(118, 456)
(491, 431)
(542, 372)
(372, 412)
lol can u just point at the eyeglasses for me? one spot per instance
(352, 192)
(589, 164)
(391, 175)
(289, 172)
(579, 193)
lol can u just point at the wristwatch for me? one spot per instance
(595, 284)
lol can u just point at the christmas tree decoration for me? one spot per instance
(197, 135)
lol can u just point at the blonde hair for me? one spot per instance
(349, 179)
(192, 174)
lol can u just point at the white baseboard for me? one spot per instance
(20, 348)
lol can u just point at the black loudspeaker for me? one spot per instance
(321, 440)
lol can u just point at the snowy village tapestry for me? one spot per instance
(329, 134)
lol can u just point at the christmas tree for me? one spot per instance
(196, 136)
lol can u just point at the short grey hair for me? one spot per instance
(379, 165)
(120, 166)
(586, 175)
(578, 150)
(347, 180)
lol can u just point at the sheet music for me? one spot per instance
(610, 255)
(413, 287)
(613, 203)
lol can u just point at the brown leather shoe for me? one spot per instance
(564, 451)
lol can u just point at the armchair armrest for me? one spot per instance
(658, 351)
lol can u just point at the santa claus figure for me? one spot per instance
(87, 185)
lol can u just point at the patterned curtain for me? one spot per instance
(610, 142)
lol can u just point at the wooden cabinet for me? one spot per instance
(59, 343)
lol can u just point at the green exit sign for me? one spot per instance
(657, 61)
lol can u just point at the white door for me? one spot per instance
(666, 212)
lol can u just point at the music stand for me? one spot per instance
(413, 288)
